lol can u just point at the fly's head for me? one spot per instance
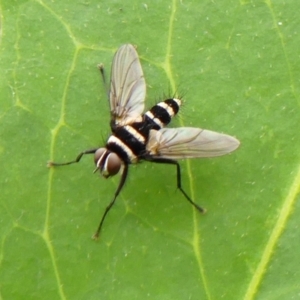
(108, 163)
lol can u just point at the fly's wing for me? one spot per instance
(188, 142)
(127, 87)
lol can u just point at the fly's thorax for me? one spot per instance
(162, 113)
(109, 163)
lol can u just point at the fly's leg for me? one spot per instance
(121, 184)
(78, 158)
(174, 162)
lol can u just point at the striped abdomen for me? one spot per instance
(161, 114)
(129, 141)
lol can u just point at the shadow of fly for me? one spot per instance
(136, 136)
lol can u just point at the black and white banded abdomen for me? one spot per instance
(161, 114)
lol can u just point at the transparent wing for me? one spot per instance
(188, 142)
(127, 86)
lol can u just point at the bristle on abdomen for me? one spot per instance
(162, 113)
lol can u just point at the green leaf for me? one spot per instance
(236, 64)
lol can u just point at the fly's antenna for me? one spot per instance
(101, 69)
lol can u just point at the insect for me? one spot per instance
(137, 136)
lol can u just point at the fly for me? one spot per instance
(136, 136)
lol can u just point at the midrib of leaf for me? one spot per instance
(167, 63)
(167, 66)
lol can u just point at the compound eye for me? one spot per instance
(99, 155)
(113, 164)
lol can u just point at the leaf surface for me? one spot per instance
(236, 64)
